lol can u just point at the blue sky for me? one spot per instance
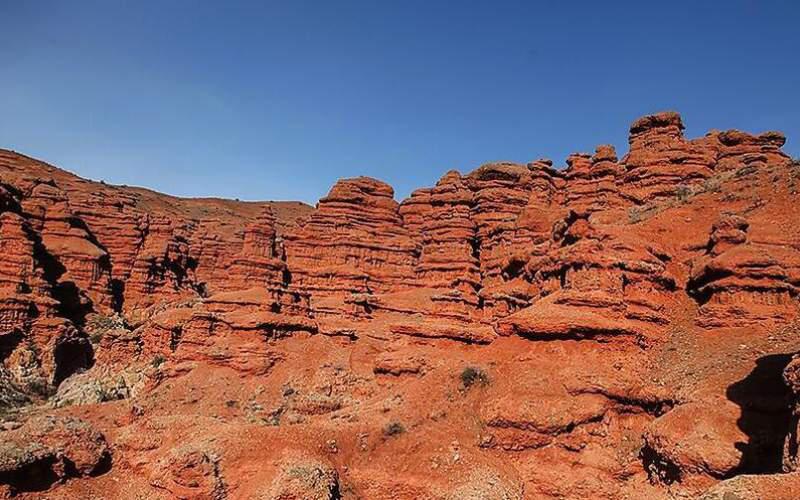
(276, 100)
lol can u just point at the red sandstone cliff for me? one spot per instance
(617, 328)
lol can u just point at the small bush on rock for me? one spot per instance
(158, 360)
(472, 375)
(393, 429)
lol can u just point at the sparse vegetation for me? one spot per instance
(158, 360)
(636, 214)
(745, 171)
(393, 429)
(712, 185)
(472, 375)
(794, 175)
(98, 325)
(683, 193)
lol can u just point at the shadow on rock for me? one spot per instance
(765, 402)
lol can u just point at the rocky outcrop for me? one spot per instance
(737, 150)
(595, 282)
(301, 478)
(661, 163)
(740, 282)
(502, 191)
(355, 242)
(519, 330)
(440, 218)
(261, 261)
(82, 266)
(38, 346)
(190, 472)
(530, 234)
(49, 449)
(593, 181)
(791, 450)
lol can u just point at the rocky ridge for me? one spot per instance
(549, 305)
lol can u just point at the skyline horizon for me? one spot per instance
(559, 165)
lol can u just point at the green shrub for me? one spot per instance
(472, 375)
(393, 429)
(683, 193)
(158, 360)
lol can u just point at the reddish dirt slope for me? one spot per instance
(621, 328)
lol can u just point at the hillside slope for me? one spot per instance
(619, 328)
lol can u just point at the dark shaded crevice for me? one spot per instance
(72, 356)
(9, 342)
(766, 415)
(286, 276)
(698, 290)
(475, 245)
(654, 407)
(514, 268)
(103, 466)
(72, 304)
(175, 338)
(335, 492)
(659, 470)
(37, 476)
(77, 222)
(601, 337)
(117, 294)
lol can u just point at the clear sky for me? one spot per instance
(276, 100)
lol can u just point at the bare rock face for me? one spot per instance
(791, 454)
(530, 234)
(617, 328)
(741, 282)
(593, 181)
(594, 281)
(661, 162)
(354, 243)
(38, 348)
(739, 150)
(441, 217)
(83, 266)
(48, 450)
(502, 191)
(261, 261)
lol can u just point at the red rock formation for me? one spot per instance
(502, 190)
(156, 246)
(447, 234)
(661, 163)
(49, 449)
(595, 281)
(355, 242)
(260, 262)
(22, 282)
(741, 283)
(739, 149)
(532, 237)
(592, 181)
(80, 262)
(614, 330)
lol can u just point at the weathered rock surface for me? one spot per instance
(661, 163)
(354, 242)
(619, 328)
(50, 449)
(741, 282)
